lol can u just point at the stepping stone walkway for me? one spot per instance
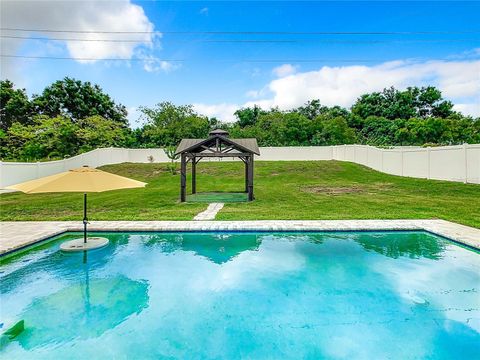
(210, 213)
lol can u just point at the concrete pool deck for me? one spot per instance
(18, 234)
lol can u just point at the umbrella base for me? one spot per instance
(80, 245)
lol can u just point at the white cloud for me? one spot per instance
(427, 282)
(223, 111)
(471, 109)
(255, 94)
(342, 85)
(117, 16)
(252, 94)
(151, 64)
(284, 70)
(459, 81)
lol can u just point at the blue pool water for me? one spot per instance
(368, 295)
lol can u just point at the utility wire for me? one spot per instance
(328, 41)
(209, 60)
(248, 32)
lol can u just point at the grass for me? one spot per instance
(225, 197)
(283, 190)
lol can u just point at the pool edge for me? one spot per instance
(26, 234)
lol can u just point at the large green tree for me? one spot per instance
(334, 131)
(14, 105)
(166, 124)
(59, 137)
(78, 100)
(248, 116)
(45, 138)
(313, 108)
(395, 104)
(294, 128)
(96, 131)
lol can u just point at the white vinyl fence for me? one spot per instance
(454, 163)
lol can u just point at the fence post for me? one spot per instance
(99, 153)
(354, 153)
(37, 169)
(401, 160)
(465, 162)
(382, 152)
(428, 163)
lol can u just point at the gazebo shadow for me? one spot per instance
(220, 248)
(218, 196)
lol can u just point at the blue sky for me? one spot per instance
(439, 45)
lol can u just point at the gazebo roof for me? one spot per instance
(244, 145)
(219, 132)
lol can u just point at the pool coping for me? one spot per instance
(16, 235)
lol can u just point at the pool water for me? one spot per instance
(365, 295)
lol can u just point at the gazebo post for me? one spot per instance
(183, 178)
(194, 175)
(246, 174)
(250, 178)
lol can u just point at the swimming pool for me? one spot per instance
(245, 295)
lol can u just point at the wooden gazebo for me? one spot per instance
(218, 145)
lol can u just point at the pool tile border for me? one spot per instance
(19, 234)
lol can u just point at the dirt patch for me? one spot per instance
(151, 173)
(352, 189)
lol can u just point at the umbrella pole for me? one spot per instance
(85, 221)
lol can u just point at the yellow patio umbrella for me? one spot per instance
(84, 179)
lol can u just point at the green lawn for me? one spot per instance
(283, 190)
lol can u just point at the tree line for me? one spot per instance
(70, 117)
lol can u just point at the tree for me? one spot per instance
(429, 102)
(166, 124)
(58, 137)
(311, 109)
(334, 131)
(46, 138)
(78, 100)
(248, 116)
(379, 130)
(170, 152)
(14, 105)
(96, 131)
(393, 104)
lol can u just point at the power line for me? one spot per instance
(248, 32)
(328, 41)
(143, 40)
(67, 39)
(209, 60)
